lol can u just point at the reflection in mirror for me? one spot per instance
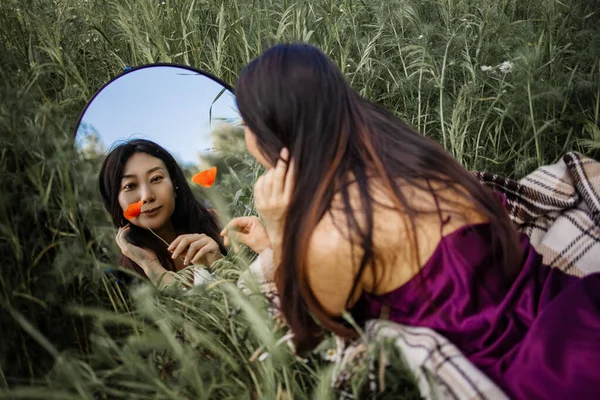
(194, 118)
(188, 113)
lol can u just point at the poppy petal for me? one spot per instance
(205, 178)
(133, 210)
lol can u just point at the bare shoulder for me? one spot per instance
(333, 264)
(334, 261)
(335, 250)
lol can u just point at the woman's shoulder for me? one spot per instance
(332, 265)
(401, 245)
(336, 248)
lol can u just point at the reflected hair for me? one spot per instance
(294, 96)
(190, 216)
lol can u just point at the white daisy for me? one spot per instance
(331, 355)
(506, 67)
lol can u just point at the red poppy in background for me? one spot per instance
(205, 178)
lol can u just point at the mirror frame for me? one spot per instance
(129, 70)
(86, 231)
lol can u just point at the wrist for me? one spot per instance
(153, 269)
(260, 245)
(275, 237)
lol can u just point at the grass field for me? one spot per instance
(505, 85)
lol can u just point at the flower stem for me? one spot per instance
(154, 233)
(163, 240)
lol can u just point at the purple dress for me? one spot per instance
(537, 339)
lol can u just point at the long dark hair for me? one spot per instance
(294, 96)
(189, 216)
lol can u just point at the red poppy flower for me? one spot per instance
(133, 210)
(205, 178)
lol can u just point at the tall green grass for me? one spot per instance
(506, 86)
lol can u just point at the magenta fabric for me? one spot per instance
(537, 337)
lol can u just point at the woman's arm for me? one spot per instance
(157, 274)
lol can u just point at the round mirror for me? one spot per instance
(182, 109)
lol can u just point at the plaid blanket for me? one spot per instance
(557, 205)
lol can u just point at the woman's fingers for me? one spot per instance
(249, 231)
(122, 230)
(237, 225)
(288, 187)
(195, 248)
(128, 249)
(201, 253)
(240, 237)
(236, 231)
(280, 179)
(189, 246)
(120, 238)
(273, 192)
(279, 173)
(175, 242)
(181, 243)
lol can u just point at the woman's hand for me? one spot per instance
(249, 231)
(142, 257)
(197, 248)
(272, 195)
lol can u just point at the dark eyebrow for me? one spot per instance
(151, 170)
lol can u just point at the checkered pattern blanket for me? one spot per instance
(557, 205)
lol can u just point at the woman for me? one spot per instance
(373, 218)
(173, 229)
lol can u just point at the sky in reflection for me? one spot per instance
(168, 105)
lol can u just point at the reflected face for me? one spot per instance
(146, 178)
(252, 147)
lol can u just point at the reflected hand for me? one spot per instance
(249, 231)
(197, 248)
(145, 258)
(273, 193)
